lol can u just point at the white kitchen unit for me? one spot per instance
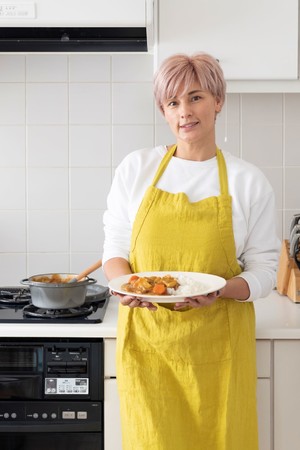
(255, 40)
(112, 422)
(286, 395)
(264, 386)
(278, 368)
(112, 430)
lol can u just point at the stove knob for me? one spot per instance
(53, 416)
(35, 415)
(44, 415)
(13, 415)
(6, 415)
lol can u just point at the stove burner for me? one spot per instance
(41, 313)
(16, 307)
(14, 296)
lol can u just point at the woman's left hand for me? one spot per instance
(198, 301)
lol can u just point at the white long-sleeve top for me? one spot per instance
(253, 208)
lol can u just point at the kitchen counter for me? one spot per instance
(92, 330)
(277, 317)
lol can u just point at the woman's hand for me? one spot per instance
(198, 301)
(134, 302)
(116, 267)
(236, 288)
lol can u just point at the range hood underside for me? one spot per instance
(73, 39)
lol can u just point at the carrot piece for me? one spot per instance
(133, 278)
(159, 289)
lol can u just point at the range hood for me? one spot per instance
(52, 26)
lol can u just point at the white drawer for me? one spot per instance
(263, 358)
(110, 357)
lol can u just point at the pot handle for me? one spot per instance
(25, 281)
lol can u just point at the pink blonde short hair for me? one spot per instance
(184, 70)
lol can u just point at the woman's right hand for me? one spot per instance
(134, 302)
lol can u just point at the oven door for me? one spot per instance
(21, 369)
(51, 441)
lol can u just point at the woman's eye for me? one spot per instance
(172, 103)
(195, 98)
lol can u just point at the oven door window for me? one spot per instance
(16, 359)
(51, 441)
(21, 369)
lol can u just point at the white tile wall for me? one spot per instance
(46, 103)
(47, 146)
(12, 105)
(67, 121)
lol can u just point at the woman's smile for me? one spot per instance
(187, 126)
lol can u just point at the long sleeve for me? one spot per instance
(259, 257)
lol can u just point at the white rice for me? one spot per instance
(187, 287)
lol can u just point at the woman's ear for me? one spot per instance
(219, 105)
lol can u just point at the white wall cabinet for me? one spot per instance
(112, 425)
(255, 40)
(286, 395)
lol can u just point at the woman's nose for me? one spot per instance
(185, 110)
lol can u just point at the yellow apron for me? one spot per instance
(187, 379)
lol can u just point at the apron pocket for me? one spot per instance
(194, 337)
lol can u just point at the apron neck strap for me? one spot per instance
(222, 173)
(163, 164)
(221, 166)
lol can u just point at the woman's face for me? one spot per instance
(192, 116)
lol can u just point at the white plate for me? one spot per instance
(211, 283)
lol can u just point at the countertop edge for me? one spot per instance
(277, 317)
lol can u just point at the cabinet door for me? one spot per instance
(112, 422)
(112, 427)
(264, 413)
(255, 40)
(263, 357)
(111, 402)
(286, 395)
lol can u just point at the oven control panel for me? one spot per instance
(52, 416)
(66, 386)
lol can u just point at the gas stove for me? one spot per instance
(16, 307)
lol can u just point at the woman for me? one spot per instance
(186, 373)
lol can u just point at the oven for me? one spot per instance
(51, 394)
(51, 389)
